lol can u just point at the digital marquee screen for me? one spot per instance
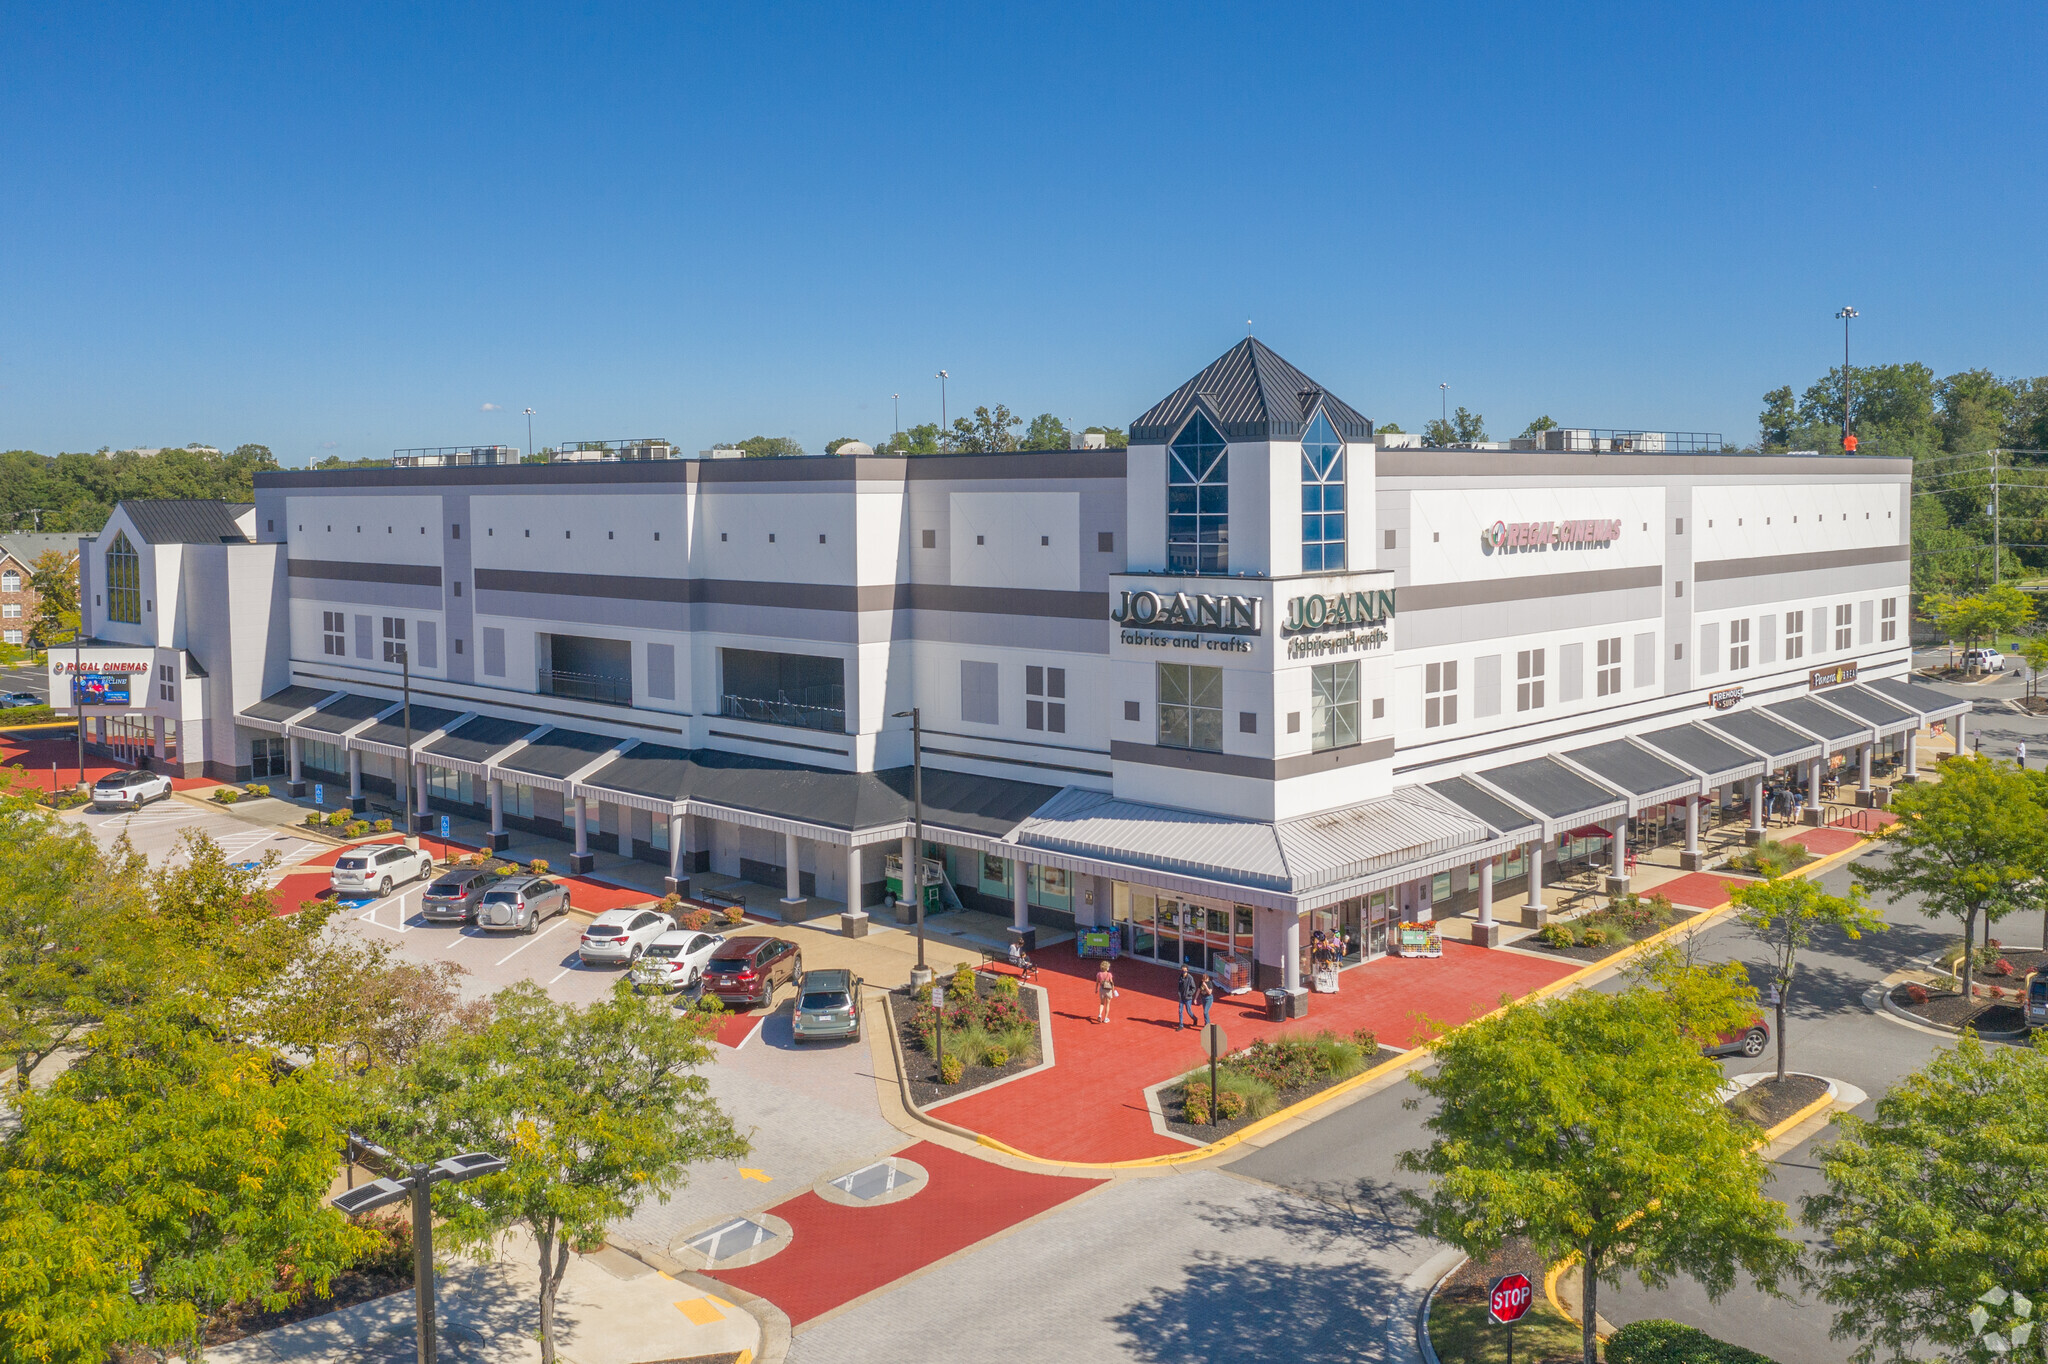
(99, 689)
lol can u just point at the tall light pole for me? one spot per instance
(412, 835)
(1443, 403)
(529, 430)
(942, 376)
(1848, 435)
(416, 1184)
(896, 434)
(913, 875)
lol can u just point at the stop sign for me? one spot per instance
(1510, 1298)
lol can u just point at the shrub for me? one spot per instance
(1668, 1342)
(2001, 967)
(1004, 987)
(1229, 1105)
(951, 1069)
(316, 820)
(257, 790)
(539, 866)
(1917, 993)
(961, 986)
(1194, 1104)
(356, 828)
(998, 1055)
(697, 920)
(708, 1003)
(338, 818)
(1593, 936)
(1557, 935)
(382, 826)
(226, 795)
(1368, 1042)
(735, 916)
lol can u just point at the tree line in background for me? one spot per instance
(77, 491)
(214, 1054)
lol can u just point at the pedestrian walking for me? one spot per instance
(1184, 998)
(2019, 752)
(1205, 995)
(1105, 991)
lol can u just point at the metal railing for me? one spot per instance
(591, 451)
(442, 456)
(1601, 440)
(831, 719)
(610, 691)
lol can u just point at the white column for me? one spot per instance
(1532, 903)
(1959, 736)
(1620, 848)
(1486, 893)
(790, 894)
(497, 806)
(1756, 809)
(1863, 768)
(1813, 771)
(1290, 951)
(1913, 754)
(355, 774)
(421, 784)
(582, 827)
(675, 847)
(853, 882)
(1020, 906)
(911, 890)
(157, 742)
(1692, 825)
(292, 747)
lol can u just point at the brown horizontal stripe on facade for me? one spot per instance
(412, 575)
(1714, 570)
(809, 469)
(1438, 596)
(1242, 765)
(801, 596)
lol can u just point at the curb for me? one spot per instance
(773, 1321)
(910, 1104)
(1999, 1035)
(1818, 1105)
(1423, 1344)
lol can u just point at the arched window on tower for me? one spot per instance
(124, 581)
(1198, 500)
(1322, 498)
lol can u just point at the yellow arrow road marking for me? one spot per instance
(762, 1175)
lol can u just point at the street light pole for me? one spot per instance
(417, 1187)
(1848, 435)
(913, 875)
(529, 431)
(896, 433)
(412, 836)
(942, 376)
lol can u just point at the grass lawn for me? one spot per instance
(1463, 1333)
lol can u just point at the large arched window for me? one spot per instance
(1322, 498)
(1198, 500)
(124, 581)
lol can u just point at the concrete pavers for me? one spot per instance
(1198, 1266)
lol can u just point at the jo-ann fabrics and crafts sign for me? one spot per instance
(1337, 622)
(1190, 620)
(1510, 537)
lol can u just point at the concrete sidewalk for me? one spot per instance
(612, 1310)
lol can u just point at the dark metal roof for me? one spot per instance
(1550, 788)
(425, 720)
(344, 713)
(560, 753)
(185, 521)
(1700, 748)
(283, 705)
(1926, 702)
(1811, 716)
(476, 741)
(1868, 706)
(990, 806)
(1630, 768)
(1488, 808)
(1251, 394)
(1763, 734)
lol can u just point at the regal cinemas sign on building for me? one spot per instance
(1512, 536)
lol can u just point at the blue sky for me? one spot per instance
(344, 229)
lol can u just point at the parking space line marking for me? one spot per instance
(559, 974)
(528, 943)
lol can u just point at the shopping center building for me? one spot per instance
(1255, 675)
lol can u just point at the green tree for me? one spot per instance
(54, 580)
(596, 1109)
(768, 447)
(1975, 410)
(987, 432)
(2001, 610)
(1538, 427)
(1047, 432)
(363, 1005)
(1974, 843)
(1463, 428)
(2034, 652)
(922, 439)
(1708, 1000)
(1776, 421)
(1933, 1200)
(1388, 428)
(167, 1175)
(1592, 1123)
(1784, 915)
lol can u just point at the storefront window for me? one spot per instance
(1198, 500)
(657, 834)
(1052, 888)
(995, 874)
(1333, 715)
(1512, 864)
(1191, 707)
(1440, 888)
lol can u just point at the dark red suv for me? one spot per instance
(747, 970)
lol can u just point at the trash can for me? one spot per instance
(1276, 1006)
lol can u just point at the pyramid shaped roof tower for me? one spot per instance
(1251, 394)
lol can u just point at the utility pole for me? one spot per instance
(942, 376)
(412, 836)
(1848, 435)
(1995, 555)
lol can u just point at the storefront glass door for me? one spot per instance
(1171, 931)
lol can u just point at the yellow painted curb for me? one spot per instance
(1801, 1116)
(1550, 1278)
(1413, 1056)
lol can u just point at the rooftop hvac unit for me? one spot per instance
(1094, 440)
(1640, 442)
(1570, 438)
(647, 449)
(722, 452)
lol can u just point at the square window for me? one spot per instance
(1379, 708)
(721, 537)
(981, 539)
(455, 531)
(1130, 710)
(458, 646)
(1045, 539)
(1294, 722)
(930, 539)
(1055, 681)
(771, 537)
(1055, 717)
(458, 587)
(821, 539)
(1034, 714)
(1390, 539)
(1105, 542)
(1247, 722)
(1034, 680)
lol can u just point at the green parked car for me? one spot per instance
(827, 1006)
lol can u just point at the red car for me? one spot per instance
(1744, 1041)
(747, 970)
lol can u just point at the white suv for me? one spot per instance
(374, 868)
(131, 789)
(1984, 660)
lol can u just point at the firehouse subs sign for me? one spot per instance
(1337, 622)
(1521, 537)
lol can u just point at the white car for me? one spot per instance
(622, 934)
(130, 789)
(675, 960)
(374, 868)
(1984, 660)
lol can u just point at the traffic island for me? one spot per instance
(1263, 1079)
(1462, 1331)
(1991, 1019)
(1769, 1102)
(991, 1037)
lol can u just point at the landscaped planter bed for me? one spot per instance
(1462, 1333)
(1622, 930)
(1769, 1102)
(1176, 1121)
(921, 1067)
(1948, 1009)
